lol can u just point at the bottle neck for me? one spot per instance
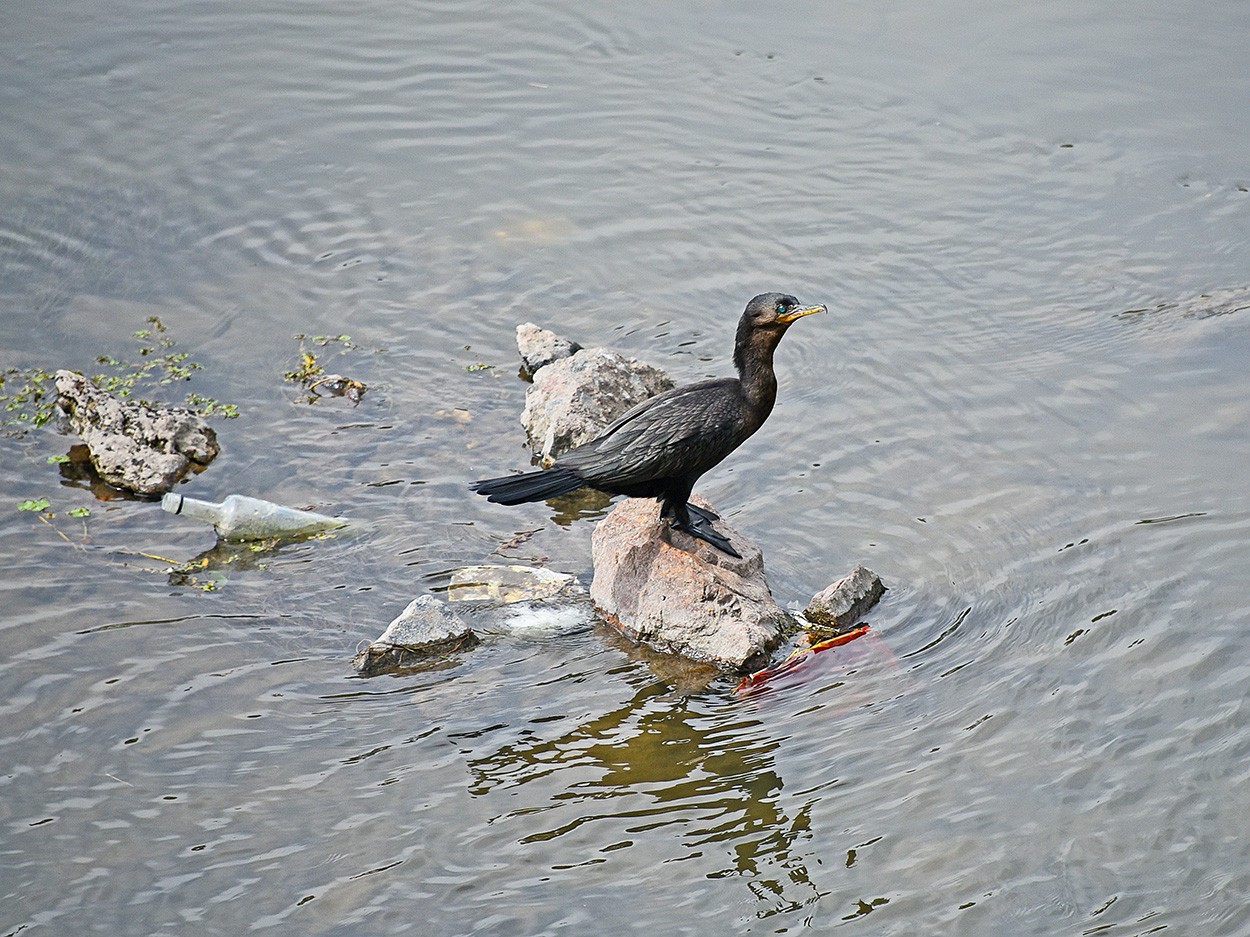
(192, 507)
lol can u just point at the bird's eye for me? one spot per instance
(783, 308)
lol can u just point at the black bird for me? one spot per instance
(659, 448)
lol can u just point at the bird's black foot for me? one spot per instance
(701, 514)
(699, 527)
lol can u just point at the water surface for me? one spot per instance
(1027, 410)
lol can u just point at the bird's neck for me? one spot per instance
(759, 383)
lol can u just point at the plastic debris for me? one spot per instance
(239, 517)
(756, 681)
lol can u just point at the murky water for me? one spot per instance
(1028, 410)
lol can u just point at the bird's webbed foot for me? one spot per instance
(698, 524)
(701, 513)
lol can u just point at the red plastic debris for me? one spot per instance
(756, 680)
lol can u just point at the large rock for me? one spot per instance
(680, 595)
(839, 605)
(133, 446)
(539, 347)
(425, 629)
(572, 400)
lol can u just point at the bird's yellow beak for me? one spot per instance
(799, 313)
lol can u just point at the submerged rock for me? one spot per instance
(134, 446)
(572, 400)
(508, 584)
(839, 605)
(680, 595)
(425, 629)
(539, 347)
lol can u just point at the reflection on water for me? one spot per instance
(1027, 410)
(656, 763)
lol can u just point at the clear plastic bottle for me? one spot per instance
(239, 517)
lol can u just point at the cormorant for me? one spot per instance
(659, 448)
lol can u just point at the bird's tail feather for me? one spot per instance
(532, 486)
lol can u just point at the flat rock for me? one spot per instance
(134, 446)
(507, 584)
(572, 400)
(539, 347)
(840, 605)
(679, 595)
(426, 628)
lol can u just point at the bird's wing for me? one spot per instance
(682, 431)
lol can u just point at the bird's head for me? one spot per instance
(765, 320)
(776, 309)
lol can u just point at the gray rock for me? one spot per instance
(840, 605)
(426, 628)
(572, 400)
(680, 595)
(133, 446)
(424, 622)
(539, 347)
